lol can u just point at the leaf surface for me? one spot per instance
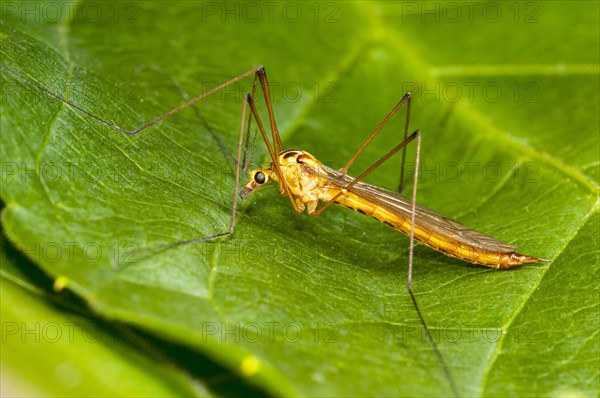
(305, 306)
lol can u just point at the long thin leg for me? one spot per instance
(248, 102)
(413, 209)
(416, 135)
(385, 157)
(260, 74)
(235, 197)
(262, 77)
(274, 162)
(145, 125)
(277, 146)
(405, 99)
(406, 123)
(411, 250)
(158, 119)
(245, 162)
(193, 100)
(186, 97)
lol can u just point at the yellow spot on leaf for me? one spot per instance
(250, 366)
(60, 283)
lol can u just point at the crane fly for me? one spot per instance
(307, 182)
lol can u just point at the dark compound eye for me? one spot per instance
(260, 177)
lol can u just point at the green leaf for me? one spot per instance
(305, 306)
(49, 351)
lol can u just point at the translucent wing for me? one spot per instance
(424, 218)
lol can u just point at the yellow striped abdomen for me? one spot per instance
(434, 238)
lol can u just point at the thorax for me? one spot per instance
(304, 176)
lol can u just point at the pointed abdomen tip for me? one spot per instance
(518, 259)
